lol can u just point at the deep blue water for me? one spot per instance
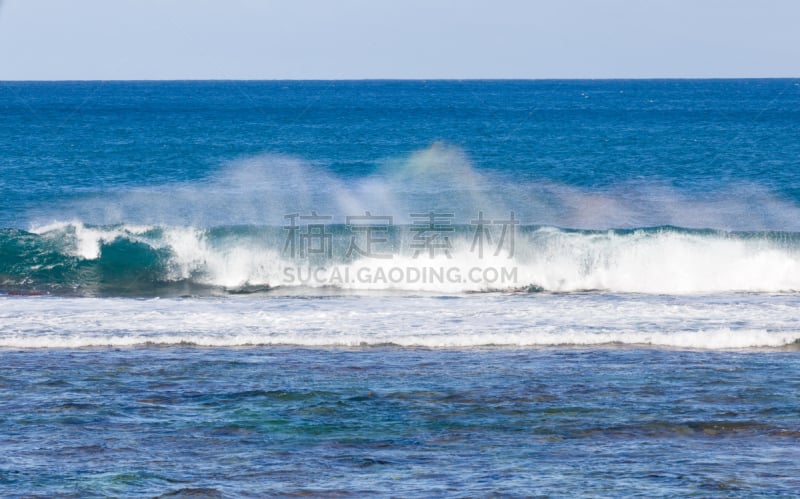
(135, 161)
(284, 421)
(157, 333)
(62, 140)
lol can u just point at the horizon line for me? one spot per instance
(636, 78)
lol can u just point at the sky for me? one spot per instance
(398, 39)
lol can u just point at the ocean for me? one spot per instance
(400, 288)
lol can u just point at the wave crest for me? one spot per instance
(151, 260)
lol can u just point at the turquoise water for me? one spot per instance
(388, 421)
(517, 287)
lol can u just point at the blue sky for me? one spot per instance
(319, 39)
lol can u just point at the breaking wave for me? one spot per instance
(73, 258)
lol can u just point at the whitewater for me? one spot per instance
(661, 260)
(737, 321)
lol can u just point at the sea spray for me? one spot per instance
(145, 260)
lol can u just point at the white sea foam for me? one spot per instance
(642, 261)
(658, 262)
(721, 322)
